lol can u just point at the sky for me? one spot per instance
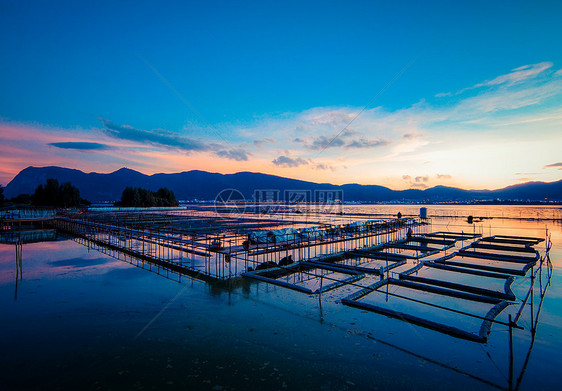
(403, 94)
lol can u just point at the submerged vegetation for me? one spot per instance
(139, 197)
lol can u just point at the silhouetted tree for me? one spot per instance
(22, 199)
(147, 198)
(51, 194)
(68, 195)
(129, 197)
(138, 197)
(166, 197)
(47, 195)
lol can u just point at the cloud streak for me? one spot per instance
(156, 137)
(323, 142)
(171, 140)
(285, 161)
(518, 75)
(81, 145)
(364, 143)
(264, 141)
(237, 154)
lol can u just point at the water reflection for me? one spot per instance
(80, 299)
(514, 379)
(19, 237)
(19, 267)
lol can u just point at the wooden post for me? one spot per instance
(510, 380)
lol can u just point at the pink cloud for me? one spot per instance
(25, 145)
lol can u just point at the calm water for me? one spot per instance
(79, 318)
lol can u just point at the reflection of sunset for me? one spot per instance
(45, 261)
(70, 292)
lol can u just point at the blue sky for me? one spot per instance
(265, 86)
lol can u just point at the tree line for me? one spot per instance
(49, 194)
(66, 195)
(138, 197)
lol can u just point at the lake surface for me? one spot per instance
(81, 319)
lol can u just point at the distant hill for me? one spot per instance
(205, 186)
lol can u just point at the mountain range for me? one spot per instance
(204, 185)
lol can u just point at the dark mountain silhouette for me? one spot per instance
(205, 186)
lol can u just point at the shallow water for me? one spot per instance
(82, 319)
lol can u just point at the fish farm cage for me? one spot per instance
(459, 284)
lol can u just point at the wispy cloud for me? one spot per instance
(554, 165)
(410, 136)
(264, 141)
(81, 145)
(172, 140)
(285, 161)
(506, 99)
(323, 142)
(238, 154)
(323, 166)
(364, 143)
(157, 137)
(517, 75)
